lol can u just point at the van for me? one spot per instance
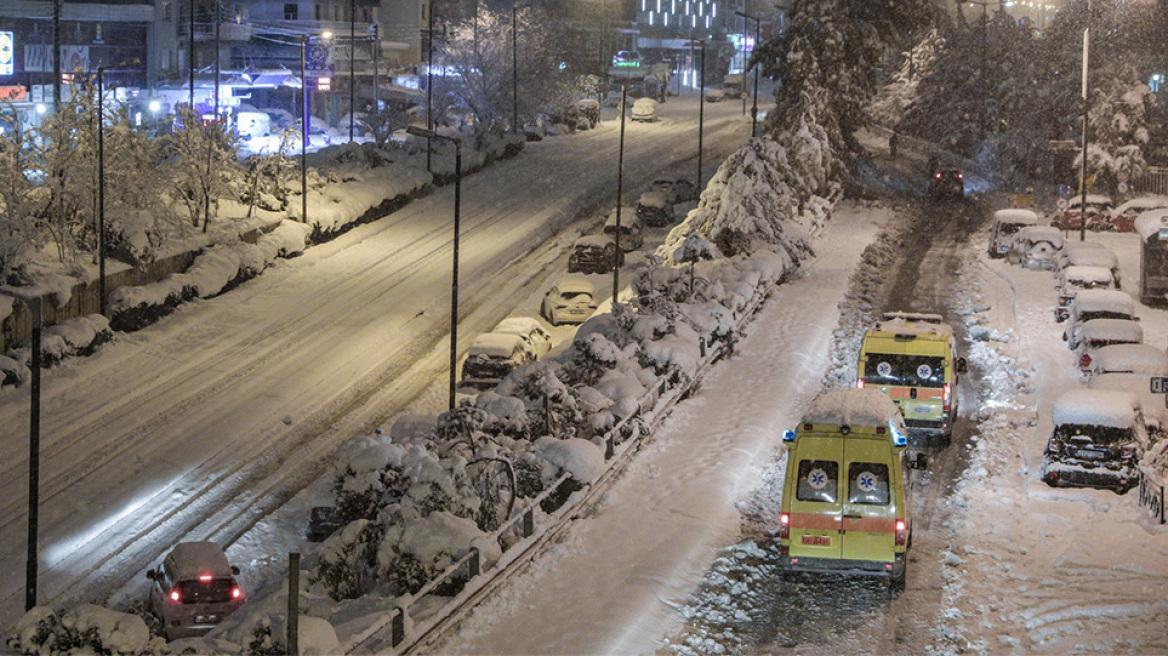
(912, 358)
(846, 497)
(1006, 224)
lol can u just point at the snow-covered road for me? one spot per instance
(201, 425)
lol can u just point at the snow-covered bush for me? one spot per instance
(347, 561)
(413, 553)
(84, 629)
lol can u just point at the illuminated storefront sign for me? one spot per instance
(7, 54)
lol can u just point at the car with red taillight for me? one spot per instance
(194, 589)
(947, 184)
(1097, 441)
(1099, 333)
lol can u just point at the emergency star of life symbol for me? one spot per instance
(884, 369)
(817, 478)
(867, 481)
(924, 371)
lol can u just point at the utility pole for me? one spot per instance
(1086, 110)
(56, 54)
(352, 59)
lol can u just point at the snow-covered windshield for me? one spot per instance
(907, 370)
(1102, 435)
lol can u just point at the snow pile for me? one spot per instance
(84, 629)
(79, 336)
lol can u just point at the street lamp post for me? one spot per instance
(430, 85)
(1086, 109)
(430, 134)
(304, 128)
(515, 65)
(757, 39)
(33, 303)
(352, 59)
(100, 190)
(620, 168)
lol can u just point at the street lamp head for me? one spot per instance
(326, 35)
(419, 131)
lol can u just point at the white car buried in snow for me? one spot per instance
(571, 300)
(1006, 224)
(528, 329)
(1129, 359)
(644, 109)
(1099, 333)
(1075, 279)
(1097, 304)
(1035, 247)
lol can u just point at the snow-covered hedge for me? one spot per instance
(79, 336)
(86, 629)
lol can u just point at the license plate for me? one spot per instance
(1089, 454)
(206, 619)
(923, 409)
(817, 540)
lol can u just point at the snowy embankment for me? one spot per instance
(619, 359)
(1030, 567)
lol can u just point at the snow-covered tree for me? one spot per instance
(1118, 123)
(894, 98)
(21, 203)
(204, 160)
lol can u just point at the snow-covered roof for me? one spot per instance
(517, 326)
(1113, 330)
(1092, 199)
(644, 102)
(1092, 257)
(1131, 358)
(1088, 274)
(1016, 216)
(914, 324)
(1104, 300)
(653, 199)
(595, 241)
(496, 345)
(1035, 234)
(576, 285)
(193, 559)
(1096, 407)
(1142, 203)
(851, 407)
(628, 216)
(1150, 222)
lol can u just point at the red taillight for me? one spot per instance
(205, 578)
(960, 176)
(175, 596)
(860, 384)
(1053, 446)
(236, 593)
(1128, 450)
(937, 175)
(946, 395)
(785, 525)
(1084, 362)
(901, 533)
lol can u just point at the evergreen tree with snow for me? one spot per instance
(1119, 128)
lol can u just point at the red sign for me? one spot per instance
(13, 93)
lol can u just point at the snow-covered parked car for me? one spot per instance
(589, 111)
(1098, 212)
(1077, 278)
(1097, 440)
(631, 228)
(1143, 359)
(594, 254)
(1089, 253)
(1097, 304)
(655, 209)
(1005, 225)
(1151, 403)
(323, 521)
(644, 109)
(571, 300)
(676, 191)
(715, 95)
(1123, 218)
(1098, 333)
(492, 356)
(1035, 247)
(194, 589)
(528, 329)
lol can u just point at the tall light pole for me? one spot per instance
(352, 59)
(620, 169)
(304, 128)
(757, 39)
(430, 134)
(33, 303)
(100, 189)
(430, 85)
(1086, 109)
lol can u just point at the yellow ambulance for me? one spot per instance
(846, 495)
(912, 358)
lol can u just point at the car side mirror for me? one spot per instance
(152, 575)
(962, 367)
(920, 462)
(235, 570)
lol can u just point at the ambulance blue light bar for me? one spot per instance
(898, 438)
(788, 435)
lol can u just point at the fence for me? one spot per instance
(400, 634)
(1152, 495)
(1153, 181)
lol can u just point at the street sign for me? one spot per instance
(1122, 187)
(1061, 204)
(1064, 190)
(1159, 385)
(1122, 175)
(1023, 200)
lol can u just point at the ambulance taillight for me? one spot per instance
(946, 396)
(784, 525)
(901, 533)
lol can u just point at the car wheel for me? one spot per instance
(897, 583)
